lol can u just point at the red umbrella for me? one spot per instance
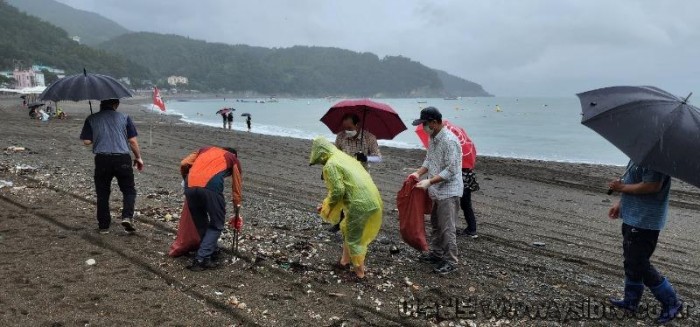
(468, 148)
(377, 118)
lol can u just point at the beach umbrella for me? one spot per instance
(468, 148)
(35, 105)
(245, 114)
(85, 87)
(377, 118)
(652, 127)
(224, 111)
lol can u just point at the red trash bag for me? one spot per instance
(413, 204)
(187, 238)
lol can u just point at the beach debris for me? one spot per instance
(394, 249)
(168, 217)
(218, 293)
(90, 262)
(336, 294)
(11, 149)
(23, 169)
(538, 244)
(4, 183)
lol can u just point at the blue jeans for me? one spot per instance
(208, 210)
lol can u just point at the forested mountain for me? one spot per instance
(299, 70)
(32, 41)
(92, 28)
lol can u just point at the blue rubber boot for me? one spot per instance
(633, 295)
(670, 305)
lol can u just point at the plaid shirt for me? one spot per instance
(444, 158)
(352, 145)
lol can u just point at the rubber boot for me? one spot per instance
(670, 305)
(633, 295)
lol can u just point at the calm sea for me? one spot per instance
(528, 128)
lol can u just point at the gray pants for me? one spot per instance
(443, 243)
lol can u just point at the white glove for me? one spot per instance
(424, 184)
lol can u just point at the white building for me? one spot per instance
(75, 38)
(175, 80)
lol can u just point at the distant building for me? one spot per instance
(59, 72)
(175, 80)
(28, 78)
(75, 38)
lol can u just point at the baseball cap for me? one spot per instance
(428, 114)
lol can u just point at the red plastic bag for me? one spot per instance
(413, 204)
(187, 238)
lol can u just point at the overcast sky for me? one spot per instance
(511, 47)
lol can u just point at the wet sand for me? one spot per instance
(286, 275)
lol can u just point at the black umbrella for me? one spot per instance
(245, 114)
(35, 105)
(651, 126)
(85, 87)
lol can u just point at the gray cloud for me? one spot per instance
(523, 47)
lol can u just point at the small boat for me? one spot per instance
(498, 108)
(450, 98)
(422, 101)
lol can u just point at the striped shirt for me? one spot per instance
(352, 145)
(647, 211)
(444, 158)
(109, 131)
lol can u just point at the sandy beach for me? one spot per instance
(286, 276)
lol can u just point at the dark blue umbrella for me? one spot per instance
(654, 128)
(85, 87)
(245, 114)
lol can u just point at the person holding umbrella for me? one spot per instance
(248, 120)
(112, 134)
(356, 136)
(443, 164)
(653, 128)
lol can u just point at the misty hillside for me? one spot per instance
(456, 86)
(299, 71)
(32, 41)
(92, 28)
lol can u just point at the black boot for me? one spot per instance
(200, 265)
(670, 305)
(633, 295)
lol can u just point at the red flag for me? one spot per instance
(157, 101)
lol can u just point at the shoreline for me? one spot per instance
(382, 143)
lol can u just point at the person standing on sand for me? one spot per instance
(224, 117)
(643, 207)
(364, 148)
(247, 122)
(350, 189)
(111, 135)
(443, 164)
(230, 119)
(204, 172)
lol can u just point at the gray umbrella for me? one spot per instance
(85, 87)
(651, 126)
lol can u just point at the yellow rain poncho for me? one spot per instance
(350, 189)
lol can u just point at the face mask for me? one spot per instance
(427, 129)
(350, 133)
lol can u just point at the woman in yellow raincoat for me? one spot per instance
(350, 189)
